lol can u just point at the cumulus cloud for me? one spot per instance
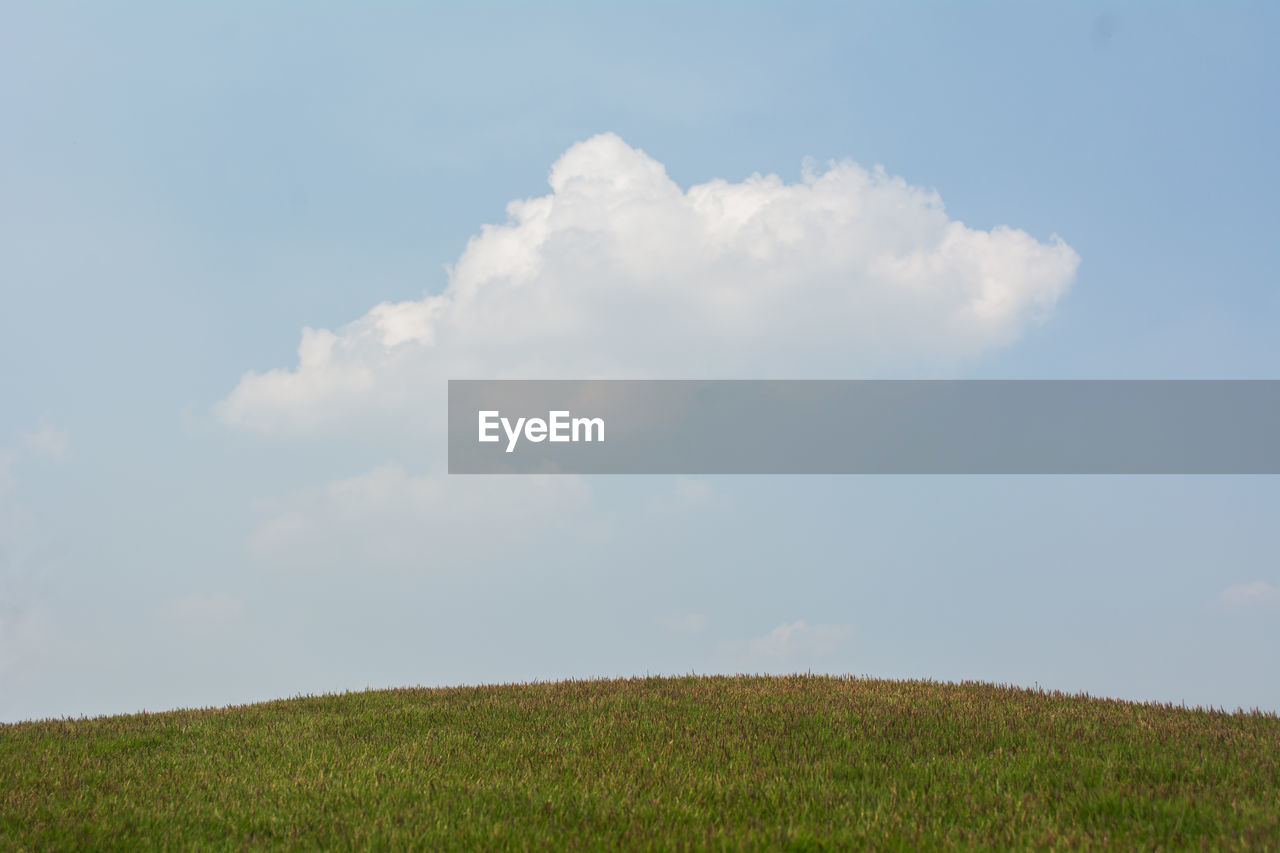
(1258, 594)
(798, 639)
(620, 272)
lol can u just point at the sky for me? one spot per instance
(243, 247)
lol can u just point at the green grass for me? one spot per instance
(798, 763)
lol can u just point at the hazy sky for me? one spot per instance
(242, 249)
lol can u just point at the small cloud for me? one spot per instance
(48, 441)
(281, 532)
(688, 623)
(389, 517)
(691, 491)
(1258, 594)
(799, 638)
(685, 495)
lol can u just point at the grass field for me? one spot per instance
(799, 763)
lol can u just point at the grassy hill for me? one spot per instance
(799, 763)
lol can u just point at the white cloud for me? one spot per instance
(686, 495)
(387, 517)
(1258, 594)
(619, 272)
(799, 639)
(48, 441)
(689, 491)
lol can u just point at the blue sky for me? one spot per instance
(183, 191)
